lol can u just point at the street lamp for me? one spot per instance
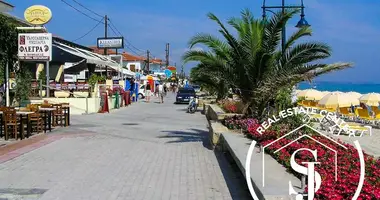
(301, 23)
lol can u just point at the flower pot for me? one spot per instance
(79, 94)
(61, 94)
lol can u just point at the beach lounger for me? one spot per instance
(350, 129)
(346, 114)
(364, 116)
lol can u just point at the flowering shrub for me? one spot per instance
(348, 166)
(239, 122)
(230, 106)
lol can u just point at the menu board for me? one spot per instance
(72, 86)
(65, 86)
(58, 86)
(80, 86)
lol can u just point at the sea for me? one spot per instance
(362, 88)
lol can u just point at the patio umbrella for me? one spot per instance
(371, 99)
(311, 94)
(354, 94)
(337, 100)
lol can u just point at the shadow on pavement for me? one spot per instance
(235, 180)
(193, 135)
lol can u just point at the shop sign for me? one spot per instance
(111, 42)
(37, 15)
(35, 46)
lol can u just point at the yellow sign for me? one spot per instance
(37, 15)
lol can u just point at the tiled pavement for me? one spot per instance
(146, 151)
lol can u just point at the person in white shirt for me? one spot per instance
(161, 93)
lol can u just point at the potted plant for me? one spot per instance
(92, 81)
(101, 80)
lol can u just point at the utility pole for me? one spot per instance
(147, 55)
(167, 54)
(105, 35)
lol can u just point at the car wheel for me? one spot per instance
(141, 96)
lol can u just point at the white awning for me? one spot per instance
(90, 57)
(128, 72)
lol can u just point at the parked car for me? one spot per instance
(142, 92)
(184, 95)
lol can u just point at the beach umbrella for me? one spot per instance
(371, 99)
(354, 94)
(325, 93)
(149, 77)
(338, 100)
(310, 94)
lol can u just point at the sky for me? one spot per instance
(350, 27)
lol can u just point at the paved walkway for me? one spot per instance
(146, 151)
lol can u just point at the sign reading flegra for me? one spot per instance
(37, 15)
(35, 46)
(112, 43)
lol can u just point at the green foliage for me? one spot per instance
(283, 100)
(23, 86)
(93, 80)
(42, 77)
(8, 44)
(250, 60)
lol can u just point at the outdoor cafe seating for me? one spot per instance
(20, 123)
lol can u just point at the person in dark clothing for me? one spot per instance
(148, 92)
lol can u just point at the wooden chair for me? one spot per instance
(59, 116)
(36, 122)
(44, 114)
(10, 120)
(2, 109)
(66, 112)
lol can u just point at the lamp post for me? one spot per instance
(301, 23)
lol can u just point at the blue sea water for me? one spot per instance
(362, 88)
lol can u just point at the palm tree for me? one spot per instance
(250, 60)
(209, 79)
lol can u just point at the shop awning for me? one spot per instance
(75, 68)
(128, 72)
(89, 56)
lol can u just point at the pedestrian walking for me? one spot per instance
(161, 93)
(165, 89)
(148, 92)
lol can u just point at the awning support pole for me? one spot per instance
(47, 80)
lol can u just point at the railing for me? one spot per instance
(71, 93)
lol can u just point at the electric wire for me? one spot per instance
(88, 31)
(111, 25)
(81, 12)
(133, 51)
(124, 38)
(81, 5)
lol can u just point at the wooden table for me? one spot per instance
(21, 114)
(47, 118)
